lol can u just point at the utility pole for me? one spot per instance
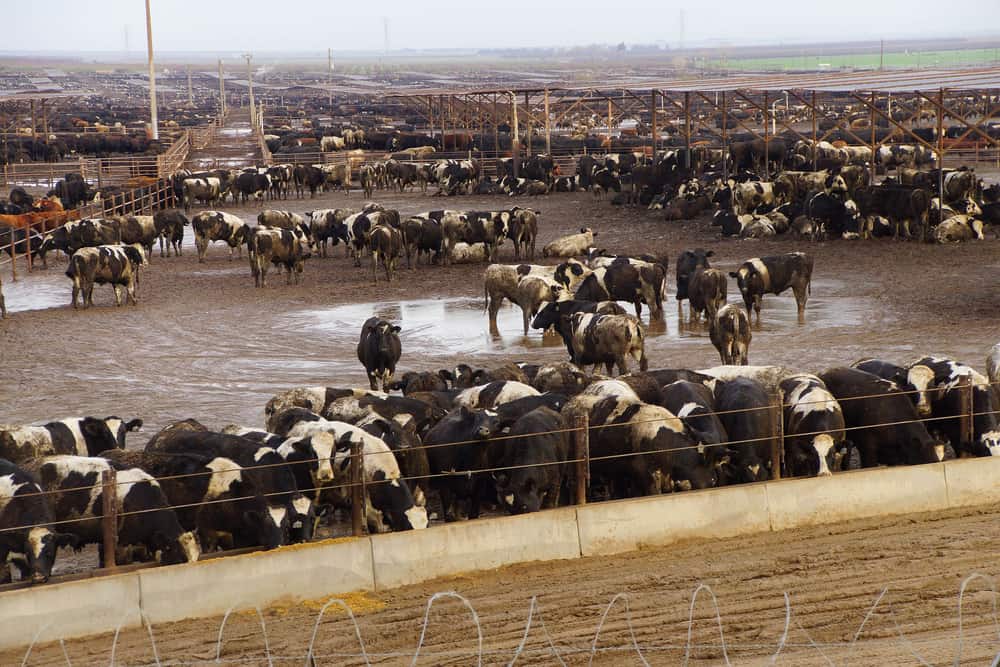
(881, 55)
(222, 91)
(253, 109)
(154, 121)
(190, 95)
(329, 76)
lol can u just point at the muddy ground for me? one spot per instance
(833, 576)
(204, 343)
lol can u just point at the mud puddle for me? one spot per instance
(459, 326)
(38, 290)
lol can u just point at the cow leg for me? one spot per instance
(374, 266)
(130, 292)
(801, 297)
(118, 294)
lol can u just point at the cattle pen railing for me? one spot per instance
(22, 242)
(575, 468)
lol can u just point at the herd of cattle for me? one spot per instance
(471, 438)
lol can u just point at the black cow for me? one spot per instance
(706, 290)
(455, 465)
(147, 522)
(903, 205)
(773, 275)
(914, 381)
(170, 228)
(379, 351)
(27, 537)
(535, 454)
(883, 421)
(687, 262)
(746, 413)
(86, 436)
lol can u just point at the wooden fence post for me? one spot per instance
(967, 418)
(109, 521)
(581, 452)
(778, 431)
(357, 490)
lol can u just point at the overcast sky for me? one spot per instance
(310, 25)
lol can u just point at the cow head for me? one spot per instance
(519, 491)
(813, 457)
(41, 548)
(119, 428)
(570, 273)
(393, 501)
(176, 547)
(303, 519)
(920, 377)
(687, 263)
(269, 523)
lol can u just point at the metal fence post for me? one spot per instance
(967, 418)
(778, 431)
(581, 452)
(357, 491)
(109, 521)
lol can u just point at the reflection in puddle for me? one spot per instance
(38, 290)
(459, 326)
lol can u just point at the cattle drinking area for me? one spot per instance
(203, 345)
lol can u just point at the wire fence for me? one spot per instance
(615, 635)
(353, 468)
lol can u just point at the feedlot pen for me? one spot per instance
(203, 343)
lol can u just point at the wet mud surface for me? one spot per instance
(204, 343)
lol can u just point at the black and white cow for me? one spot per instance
(945, 394)
(80, 436)
(106, 264)
(28, 538)
(327, 225)
(694, 404)
(263, 467)
(494, 393)
(773, 275)
(608, 340)
(814, 428)
(883, 421)
(283, 248)
(389, 501)
(556, 315)
(639, 449)
(628, 279)
(219, 226)
(730, 333)
(146, 520)
(379, 350)
(535, 454)
(745, 411)
(914, 381)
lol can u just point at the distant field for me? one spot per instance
(904, 59)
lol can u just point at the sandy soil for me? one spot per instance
(204, 343)
(833, 576)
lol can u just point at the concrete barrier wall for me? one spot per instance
(71, 609)
(408, 558)
(627, 525)
(321, 569)
(211, 587)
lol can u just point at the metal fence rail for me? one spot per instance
(577, 466)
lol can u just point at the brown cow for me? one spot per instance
(385, 243)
